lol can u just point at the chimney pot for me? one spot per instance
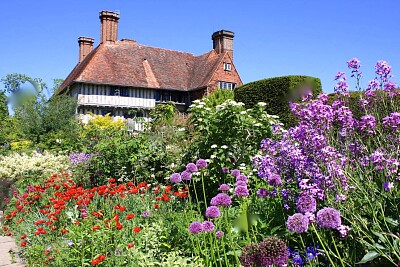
(109, 26)
(85, 47)
(223, 42)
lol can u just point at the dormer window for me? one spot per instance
(227, 66)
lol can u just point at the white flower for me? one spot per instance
(208, 109)
(213, 156)
(224, 146)
(214, 146)
(262, 104)
(243, 112)
(242, 168)
(258, 124)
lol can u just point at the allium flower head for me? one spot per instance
(297, 223)
(328, 218)
(224, 170)
(186, 176)
(242, 178)
(201, 164)
(175, 178)
(221, 199)
(272, 251)
(213, 212)
(224, 187)
(241, 183)
(219, 234)
(306, 203)
(235, 172)
(208, 226)
(195, 227)
(191, 167)
(248, 257)
(241, 191)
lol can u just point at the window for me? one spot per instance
(227, 66)
(226, 85)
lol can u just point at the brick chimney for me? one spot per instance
(85, 47)
(223, 42)
(109, 26)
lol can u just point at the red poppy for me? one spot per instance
(23, 237)
(156, 206)
(130, 245)
(23, 244)
(96, 227)
(130, 216)
(64, 231)
(137, 230)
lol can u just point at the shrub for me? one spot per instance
(277, 93)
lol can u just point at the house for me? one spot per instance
(127, 79)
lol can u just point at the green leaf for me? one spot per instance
(369, 257)
(392, 221)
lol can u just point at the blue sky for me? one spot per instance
(272, 38)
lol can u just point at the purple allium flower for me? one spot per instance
(242, 178)
(195, 227)
(208, 226)
(201, 164)
(175, 178)
(219, 234)
(224, 187)
(146, 214)
(224, 170)
(387, 186)
(262, 193)
(328, 218)
(306, 203)
(274, 180)
(241, 191)
(191, 167)
(310, 216)
(343, 230)
(272, 251)
(235, 172)
(186, 176)
(248, 257)
(221, 199)
(297, 223)
(241, 183)
(213, 212)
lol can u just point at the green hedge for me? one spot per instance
(276, 93)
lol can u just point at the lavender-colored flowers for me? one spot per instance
(306, 203)
(191, 167)
(248, 257)
(208, 226)
(201, 164)
(213, 212)
(387, 186)
(241, 191)
(235, 172)
(328, 218)
(146, 214)
(186, 176)
(221, 199)
(274, 180)
(175, 178)
(343, 230)
(297, 223)
(79, 158)
(196, 227)
(242, 178)
(224, 187)
(219, 234)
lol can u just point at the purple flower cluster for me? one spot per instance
(306, 203)
(271, 251)
(79, 158)
(241, 185)
(224, 187)
(329, 218)
(175, 178)
(197, 227)
(221, 199)
(297, 223)
(213, 212)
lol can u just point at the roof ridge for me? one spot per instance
(155, 47)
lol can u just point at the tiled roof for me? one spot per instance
(127, 63)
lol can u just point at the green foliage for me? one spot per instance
(13, 82)
(162, 115)
(277, 93)
(218, 97)
(3, 106)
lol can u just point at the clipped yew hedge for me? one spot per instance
(277, 93)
